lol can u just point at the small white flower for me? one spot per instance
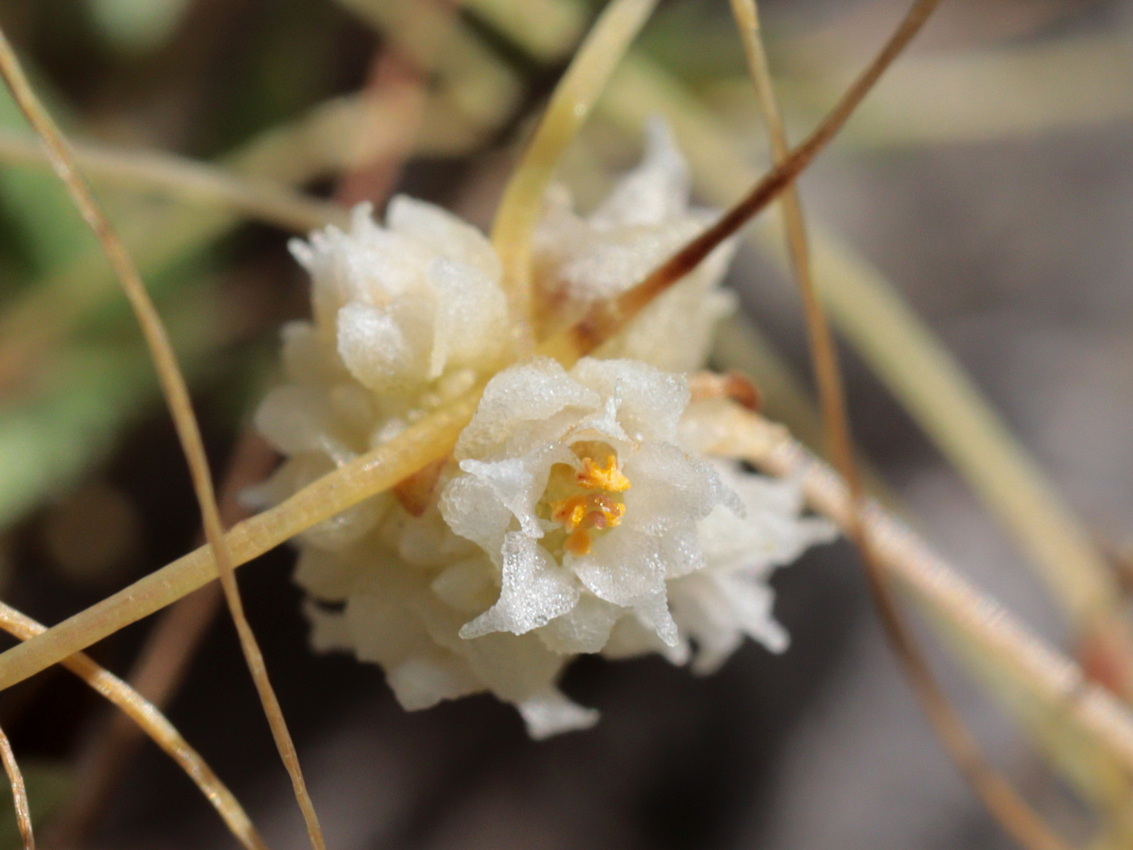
(407, 302)
(574, 484)
(581, 260)
(572, 520)
(404, 316)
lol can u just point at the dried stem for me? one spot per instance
(1017, 818)
(19, 792)
(177, 397)
(186, 181)
(1051, 678)
(152, 722)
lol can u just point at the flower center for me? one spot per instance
(586, 498)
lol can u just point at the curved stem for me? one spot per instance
(1051, 678)
(19, 792)
(1016, 817)
(176, 393)
(570, 106)
(152, 722)
(369, 474)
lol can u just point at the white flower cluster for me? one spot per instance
(576, 515)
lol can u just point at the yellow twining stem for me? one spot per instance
(369, 474)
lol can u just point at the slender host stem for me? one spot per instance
(1052, 678)
(152, 722)
(177, 397)
(186, 181)
(1016, 817)
(570, 106)
(160, 669)
(19, 792)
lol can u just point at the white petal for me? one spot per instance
(535, 590)
(550, 713)
(583, 629)
(657, 190)
(514, 668)
(690, 311)
(654, 614)
(442, 232)
(325, 575)
(308, 356)
(485, 501)
(650, 402)
(718, 610)
(670, 489)
(514, 398)
(681, 551)
(329, 630)
(515, 485)
(423, 681)
(385, 348)
(632, 638)
(471, 312)
(624, 567)
(468, 586)
(297, 419)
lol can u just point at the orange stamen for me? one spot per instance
(607, 477)
(579, 514)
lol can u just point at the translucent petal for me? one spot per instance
(325, 575)
(330, 631)
(649, 401)
(584, 628)
(384, 348)
(442, 232)
(530, 392)
(657, 190)
(423, 681)
(296, 419)
(550, 713)
(534, 591)
(623, 568)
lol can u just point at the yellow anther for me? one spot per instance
(579, 514)
(607, 477)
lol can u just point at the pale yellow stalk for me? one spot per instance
(153, 723)
(570, 106)
(368, 475)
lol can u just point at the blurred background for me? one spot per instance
(988, 180)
